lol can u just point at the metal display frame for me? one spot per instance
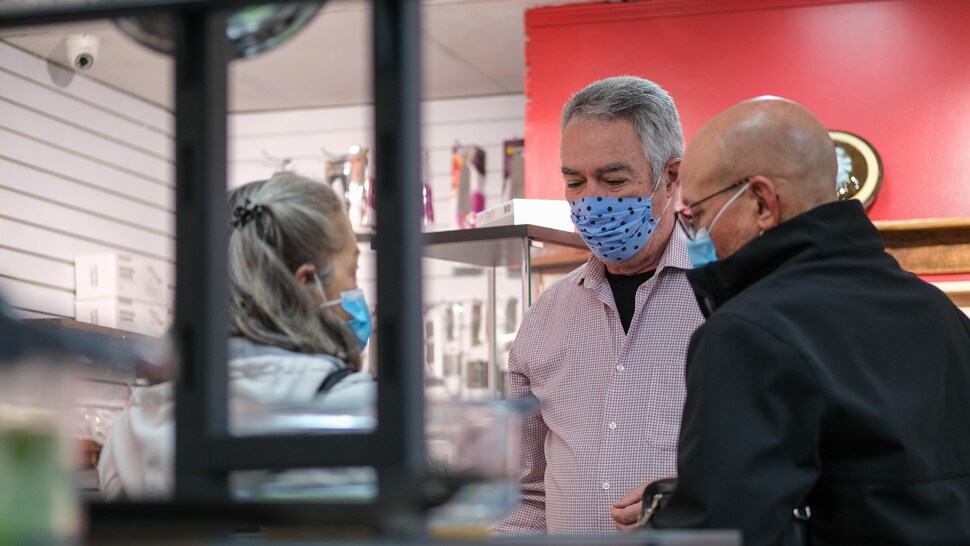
(492, 248)
(205, 453)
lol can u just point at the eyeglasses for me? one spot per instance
(685, 217)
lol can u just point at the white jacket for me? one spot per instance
(137, 459)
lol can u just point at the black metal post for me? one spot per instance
(201, 235)
(397, 95)
(204, 452)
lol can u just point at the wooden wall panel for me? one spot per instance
(929, 247)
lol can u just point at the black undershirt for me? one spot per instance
(625, 294)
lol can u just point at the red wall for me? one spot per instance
(895, 72)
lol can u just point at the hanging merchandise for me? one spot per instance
(476, 369)
(427, 212)
(282, 165)
(369, 221)
(452, 361)
(337, 171)
(467, 184)
(511, 322)
(476, 174)
(460, 201)
(513, 169)
(357, 192)
(348, 175)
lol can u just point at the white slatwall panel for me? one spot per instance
(86, 91)
(23, 91)
(301, 136)
(30, 296)
(25, 179)
(486, 122)
(83, 168)
(46, 127)
(44, 271)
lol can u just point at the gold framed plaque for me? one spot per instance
(860, 168)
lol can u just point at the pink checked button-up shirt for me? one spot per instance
(610, 402)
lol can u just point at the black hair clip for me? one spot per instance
(245, 213)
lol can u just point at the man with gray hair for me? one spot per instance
(603, 348)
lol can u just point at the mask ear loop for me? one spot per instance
(323, 295)
(726, 205)
(664, 211)
(666, 206)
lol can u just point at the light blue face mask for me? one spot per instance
(615, 228)
(701, 249)
(353, 302)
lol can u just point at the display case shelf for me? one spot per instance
(478, 285)
(498, 246)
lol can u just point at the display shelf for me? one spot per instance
(364, 236)
(471, 319)
(104, 376)
(75, 325)
(113, 352)
(497, 246)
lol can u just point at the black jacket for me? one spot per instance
(825, 374)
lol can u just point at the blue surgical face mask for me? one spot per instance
(353, 302)
(701, 249)
(615, 228)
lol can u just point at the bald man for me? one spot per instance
(825, 375)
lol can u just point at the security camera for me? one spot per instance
(82, 50)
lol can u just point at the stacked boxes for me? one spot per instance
(124, 291)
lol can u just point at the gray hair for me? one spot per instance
(647, 105)
(298, 223)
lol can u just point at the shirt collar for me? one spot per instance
(674, 257)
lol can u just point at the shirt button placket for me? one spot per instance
(611, 425)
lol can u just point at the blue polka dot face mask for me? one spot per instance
(615, 228)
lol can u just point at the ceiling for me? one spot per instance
(469, 48)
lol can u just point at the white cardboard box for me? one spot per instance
(148, 318)
(551, 213)
(122, 275)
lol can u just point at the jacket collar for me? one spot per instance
(826, 230)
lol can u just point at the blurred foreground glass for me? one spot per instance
(250, 30)
(473, 451)
(38, 501)
(477, 445)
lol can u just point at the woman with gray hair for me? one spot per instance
(297, 320)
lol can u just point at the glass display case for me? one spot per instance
(478, 283)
